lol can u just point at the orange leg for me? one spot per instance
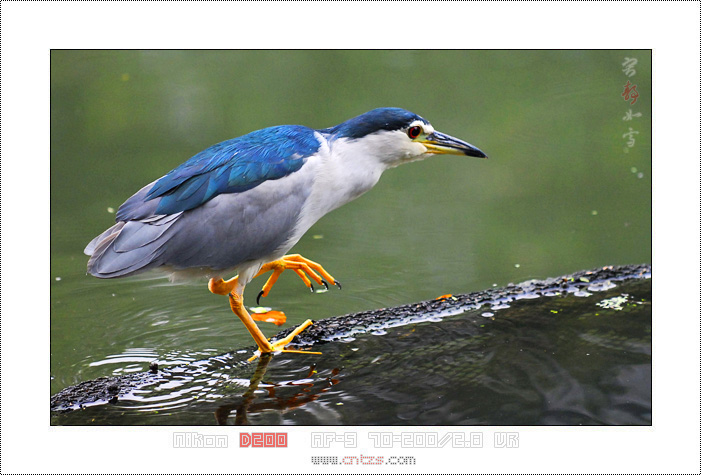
(226, 287)
(236, 302)
(235, 292)
(223, 287)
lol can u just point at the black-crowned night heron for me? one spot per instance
(242, 204)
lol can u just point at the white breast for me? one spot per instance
(343, 170)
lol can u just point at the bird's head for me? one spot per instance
(395, 136)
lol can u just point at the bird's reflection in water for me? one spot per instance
(309, 391)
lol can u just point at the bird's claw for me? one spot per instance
(307, 271)
(337, 284)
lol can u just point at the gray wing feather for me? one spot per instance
(136, 234)
(90, 248)
(137, 207)
(226, 231)
(131, 247)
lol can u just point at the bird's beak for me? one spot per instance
(441, 143)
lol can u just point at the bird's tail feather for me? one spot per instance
(128, 247)
(90, 248)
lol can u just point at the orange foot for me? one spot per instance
(302, 267)
(271, 316)
(279, 345)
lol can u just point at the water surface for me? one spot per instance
(581, 358)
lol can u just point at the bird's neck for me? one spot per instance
(350, 169)
(340, 173)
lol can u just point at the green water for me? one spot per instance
(572, 358)
(560, 192)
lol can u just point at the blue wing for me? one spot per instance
(232, 166)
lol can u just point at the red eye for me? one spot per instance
(413, 132)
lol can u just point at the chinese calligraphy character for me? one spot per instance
(628, 65)
(629, 115)
(630, 91)
(630, 136)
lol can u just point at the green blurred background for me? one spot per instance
(560, 192)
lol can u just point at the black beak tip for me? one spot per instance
(476, 153)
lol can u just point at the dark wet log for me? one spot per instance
(110, 389)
